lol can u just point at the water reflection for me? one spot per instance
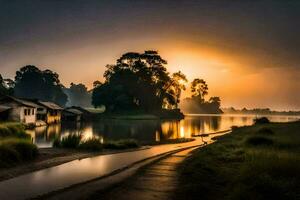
(146, 130)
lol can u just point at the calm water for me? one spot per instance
(147, 130)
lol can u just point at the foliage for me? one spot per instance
(92, 144)
(31, 82)
(230, 168)
(138, 81)
(197, 103)
(70, 141)
(262, 120)
(199, 89)
(258, 140)
(12, 130)
(265, 131)
(78, 95)
(6, 86)
(14, 150)
(121, 144)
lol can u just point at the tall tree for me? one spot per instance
(31, 82)
(136, 81)
(78, 95)
(199, 89)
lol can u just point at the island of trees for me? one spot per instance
(137, 82)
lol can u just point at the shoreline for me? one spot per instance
(51, 157)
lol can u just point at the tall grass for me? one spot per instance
(16, 150)
(255, 162)
(93, 144)
(11, 129)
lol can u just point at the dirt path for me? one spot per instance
(157, 181)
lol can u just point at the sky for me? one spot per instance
(247, 51)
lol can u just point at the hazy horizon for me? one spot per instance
(246, 51)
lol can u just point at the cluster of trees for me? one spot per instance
(139, 81)
(197, 102)
(6, 86)
(32, 83)
(78, 95)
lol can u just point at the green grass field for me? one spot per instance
(255, 162)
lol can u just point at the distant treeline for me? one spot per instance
(32, 83)
(136, 82)
(258, 111)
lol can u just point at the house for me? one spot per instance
(72, 114)
(4, 113)
(49, 112)
(19, 110)
(86, 115)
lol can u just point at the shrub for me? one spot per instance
(265, 131)
(259, 140)
(233, 128)
(71, 141)
(261, 120)
(121, 144)
(92, 144)
(56, 142)
(8, 156)
(13, 130)
(13, 151)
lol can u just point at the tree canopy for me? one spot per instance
(197, 103)
(31, 82)
(78, 95)
(139, 81)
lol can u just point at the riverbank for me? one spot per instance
(49, 157)
(254, 162)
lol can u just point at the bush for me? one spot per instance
(13, 151)
(259, 140)
(13, 130)
(8, 156)
(265, 131)
(233, 128)
(121, 144)
(93, 144)
(71, 141)
(261, 120)
(56, 142)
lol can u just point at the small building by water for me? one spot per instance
(49, 112)
(18, 110)
(72, 115)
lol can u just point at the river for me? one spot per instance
(147, 131)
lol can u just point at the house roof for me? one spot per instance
(20, 101)
(4, 108)
(73, 111)
(50, 105)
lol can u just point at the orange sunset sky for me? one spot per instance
(247, 51)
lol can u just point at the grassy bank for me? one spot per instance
(93, 144)
(15, 145)
(255, 162)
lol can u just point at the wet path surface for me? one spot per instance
(62, 176)
(157, 181)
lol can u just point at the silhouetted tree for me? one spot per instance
(31, 82)
(6, 86)
(199, 89)
(78, 95)
(137, 81)
(197, 104)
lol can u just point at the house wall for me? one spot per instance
(51, 119)
(17, 113)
